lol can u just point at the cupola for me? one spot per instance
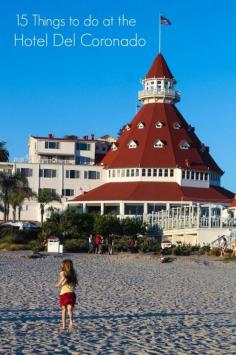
(158, 85)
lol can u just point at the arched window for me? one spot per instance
(184, 145)
(176, 125)
(141, 125)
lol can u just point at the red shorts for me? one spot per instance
(68, 298)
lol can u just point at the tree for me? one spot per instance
(17, 197)
(107, 224)
(44, 197)
(10, 183)
(4, 154)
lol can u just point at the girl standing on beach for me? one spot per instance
(67, 283)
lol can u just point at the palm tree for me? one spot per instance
(16, 199)
(10, 183)
(4, 154)
(46, 196)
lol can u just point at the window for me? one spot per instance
(141, 125)
(197, 175)
(159, 84)
(52, 191)
(52, 145)
(109, 173)
(176, 125)
(123, 172)
(154, 172)
(132, 172)
(92, 175)
(183, 174)
(159, 124)
(192, 175)
(137, 172)
(184, 145)
(127, 127)
(72, 174)
(83, 146)
(25, 172)
(132, 144)
(113, 173)
(84, 160)
(166, 172)
(127, 172)
(118, 173)
(201, 176)
(160, 172)
(188, 174)
(159, 144)
(149, 172)
(143, 172)
(68, 192)
(206, 176)
(114, 146)
(47, 173)
(171, 172)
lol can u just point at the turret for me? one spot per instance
(158, 85)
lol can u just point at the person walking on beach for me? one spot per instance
(223, 246)
(97, 243)
(234, 248)
(67, 283)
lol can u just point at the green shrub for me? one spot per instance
(148, 244)
(214, 252)
(182, 249)
(76, 245)
(121, 244)
(36, 246)
(13, 246)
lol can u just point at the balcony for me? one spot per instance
(167, 93)
(57, 161)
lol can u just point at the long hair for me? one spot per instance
(69, 272)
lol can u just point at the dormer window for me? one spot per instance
(133, 144)
(184, 145)
(114, 146)
(159, 144)
(203, 148)
(191, 128)
(127, 127)
(141, 125)
(176, 125)
(159, 124)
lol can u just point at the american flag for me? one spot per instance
(164, 21)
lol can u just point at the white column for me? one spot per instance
(84, 207)
(102, 208)
(145, 208)
(122, 208)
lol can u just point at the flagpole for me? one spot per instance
(159, 33)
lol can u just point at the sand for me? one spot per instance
(127, 304)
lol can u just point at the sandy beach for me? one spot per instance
(127, 304)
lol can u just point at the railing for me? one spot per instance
(163, 93)
(56, 161)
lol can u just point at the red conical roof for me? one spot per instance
(159, 69)
(196, 157)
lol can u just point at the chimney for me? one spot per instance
(50, 135)
(92, 136)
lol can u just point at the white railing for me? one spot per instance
(56, 161)
(155, 92)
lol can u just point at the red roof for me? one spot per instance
(159, 69)
(233, 204)
(155, 191)
(145, 155)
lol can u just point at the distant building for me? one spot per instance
(68, 166)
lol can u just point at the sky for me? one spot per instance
(82, 90)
